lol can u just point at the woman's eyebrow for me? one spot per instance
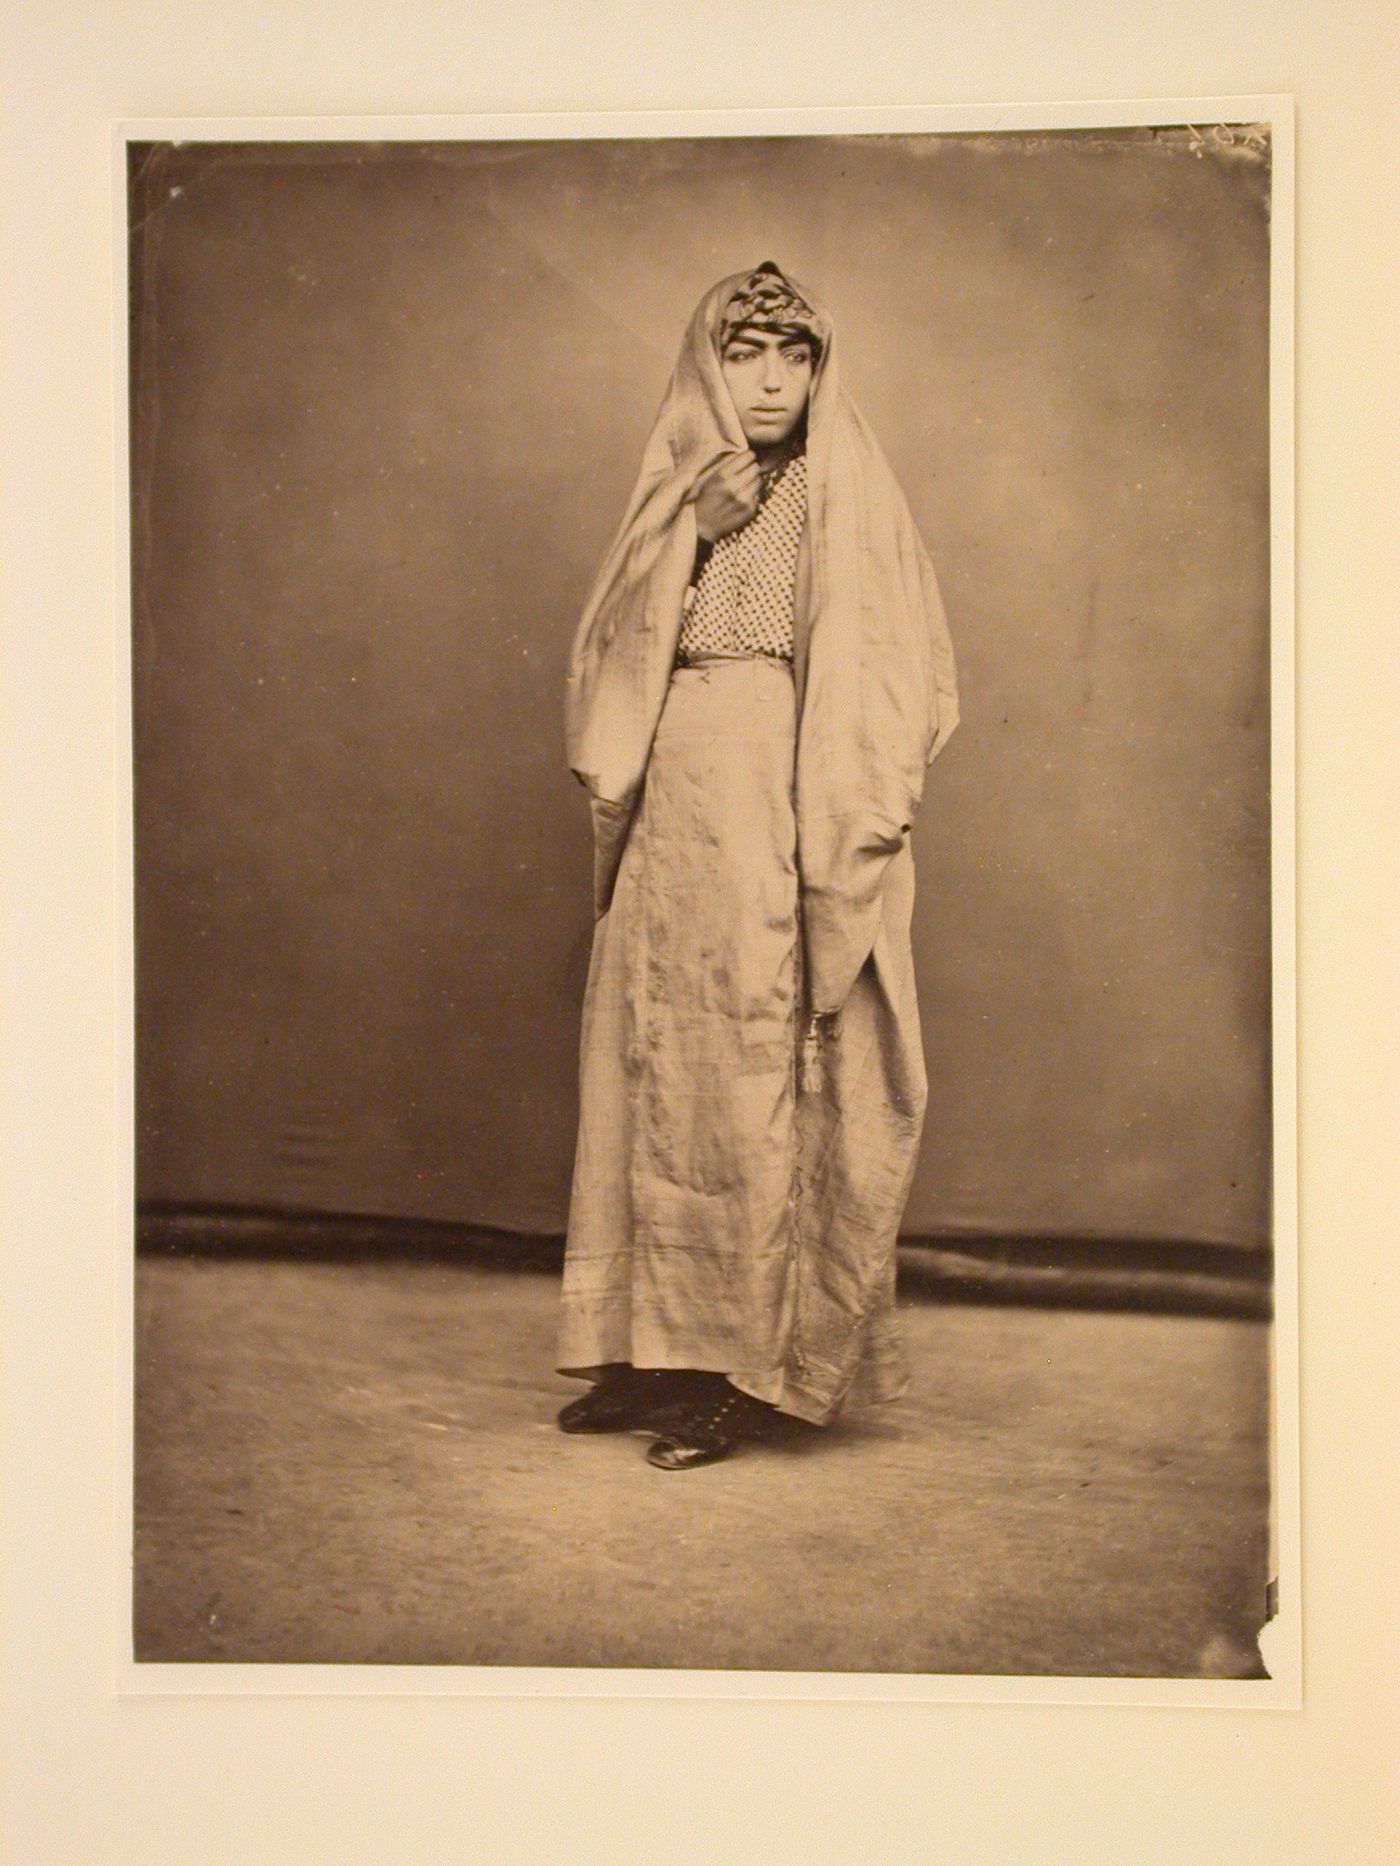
(754, 345)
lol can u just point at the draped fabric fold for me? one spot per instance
(744, 1155)
(876, 683)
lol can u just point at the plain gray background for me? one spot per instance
(388, 402)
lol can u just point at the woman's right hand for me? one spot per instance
(727, 496)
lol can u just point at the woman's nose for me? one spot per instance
(772, 374)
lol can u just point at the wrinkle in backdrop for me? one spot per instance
(388, 401)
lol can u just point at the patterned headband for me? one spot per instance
(767, 301)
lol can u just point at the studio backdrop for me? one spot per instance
(388, 401)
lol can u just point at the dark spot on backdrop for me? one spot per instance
(388, 402)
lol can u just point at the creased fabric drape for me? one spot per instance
(752, 869)
(876, 683)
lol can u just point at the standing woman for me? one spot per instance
(759, 680)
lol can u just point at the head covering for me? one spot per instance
(877, 689)
(767, 300)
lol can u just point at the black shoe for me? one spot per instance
(626, 1399)
(704, 1433)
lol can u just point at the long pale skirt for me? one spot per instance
(721, 1218)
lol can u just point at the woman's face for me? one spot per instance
(769, 376)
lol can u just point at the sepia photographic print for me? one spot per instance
(710, 805)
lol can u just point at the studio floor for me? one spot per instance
(358, 1462)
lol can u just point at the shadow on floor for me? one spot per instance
(357, 1462)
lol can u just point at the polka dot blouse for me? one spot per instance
(742, 600)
